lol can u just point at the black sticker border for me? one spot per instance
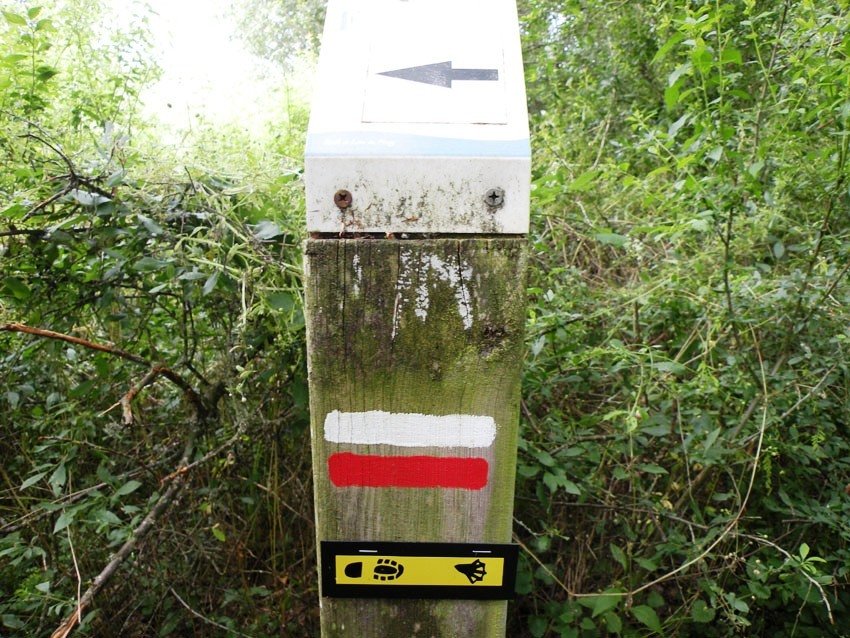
(509, 552)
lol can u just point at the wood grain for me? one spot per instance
(427, 327)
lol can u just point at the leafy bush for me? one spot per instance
(686, 391)
(153, 386)
(684, 455)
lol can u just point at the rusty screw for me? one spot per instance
(342, 199)
(495, 197)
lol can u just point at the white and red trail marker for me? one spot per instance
(406, 430)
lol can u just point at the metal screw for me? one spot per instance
(342, 199)
(495, 197)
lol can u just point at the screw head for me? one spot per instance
(495, 197)
(342, 199)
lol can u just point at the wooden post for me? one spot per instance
(417, 196)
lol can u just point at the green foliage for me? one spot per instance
(183, 265)
(686, 388)
(288, 30)
(684, 455)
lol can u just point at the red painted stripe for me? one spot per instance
(360, 470)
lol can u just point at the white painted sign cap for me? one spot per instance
(420, 116)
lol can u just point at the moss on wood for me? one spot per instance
(431, 327)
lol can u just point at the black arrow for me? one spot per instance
(442, 74)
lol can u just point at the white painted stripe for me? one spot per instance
(410, 430)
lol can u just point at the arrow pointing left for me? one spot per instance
(442, 74)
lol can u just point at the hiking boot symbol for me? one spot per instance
(387, 569)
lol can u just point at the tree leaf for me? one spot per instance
(677, 125)
(266, 230)
(652, 468)
(619, 556)
(604, 602)
(18, 288)
(570, 487)
(32, 480)
(665, 48)
(731, 55)
(673, 367)
(107, 517)
(679, 72)
(84, 198)
(701, 612)
(44, 73)
(583, 182)
(671, 96)
(646, 615)
(280, 301)
(755, 168)
(14, 18)
(715, 154)
(648, 564)
(209, 284)
(65, 519)
(611, 239)
(711, 439)
(150, 225)
(13, 398)
(149, 264)
(127, 488)
(537, 626)
(192, 276)
(544, 458)
(613, 622)
(58, 479)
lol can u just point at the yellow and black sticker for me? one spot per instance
(476, 571)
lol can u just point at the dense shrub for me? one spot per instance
(684, 459)
(685, 416)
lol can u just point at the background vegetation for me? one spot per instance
(684, 461)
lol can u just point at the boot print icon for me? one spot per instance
(386, 569)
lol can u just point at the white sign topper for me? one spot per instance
(419, 122)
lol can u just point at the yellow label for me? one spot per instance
(375, 569)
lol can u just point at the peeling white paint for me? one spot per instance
(423, 301)
(358, 274)
(457, 277)
(410, 429)
(429, 268)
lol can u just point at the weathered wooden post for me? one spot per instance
(417, 172)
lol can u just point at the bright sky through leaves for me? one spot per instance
(207, 72)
